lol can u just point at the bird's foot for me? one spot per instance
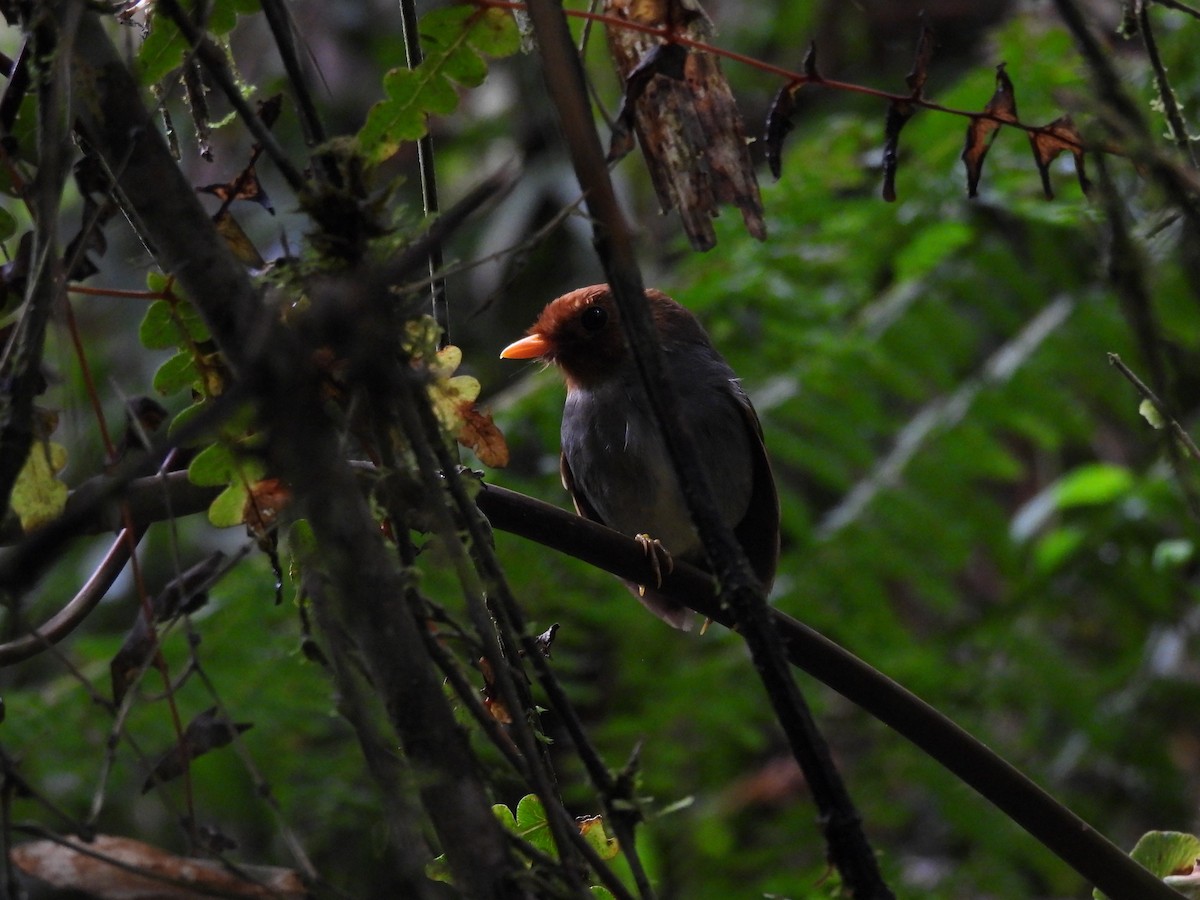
(658, 556)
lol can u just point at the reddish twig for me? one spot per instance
(794, 79)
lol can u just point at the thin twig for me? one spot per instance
(1129, 278)
(1166, 94)
(1181, 7)
(429, 191)
(792, 77)
(416, 417)
(847, 845)
(218, 68)
(1144, 389)
(513, 631)
(280, 22)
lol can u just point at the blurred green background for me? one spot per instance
(971, 500)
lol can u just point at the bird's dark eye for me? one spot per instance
(594, 318)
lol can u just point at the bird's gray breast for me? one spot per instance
(621, 467)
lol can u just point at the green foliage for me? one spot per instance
(39, 495)
(222, 464)
(529, 823)
(456, 39)
(173, 322)
(8, 225)
(164, 48)
(971, 502)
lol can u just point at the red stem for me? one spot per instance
(794, 79)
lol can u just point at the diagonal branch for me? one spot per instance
(429, 188)
(1074, 841)
(847, 845)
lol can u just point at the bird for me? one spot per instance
(615, 463)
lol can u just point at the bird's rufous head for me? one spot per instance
(580, 332)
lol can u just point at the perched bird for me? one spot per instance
(614, 461)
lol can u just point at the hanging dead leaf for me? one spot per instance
(208, 731)
(496, 708)
(779, 116)
(689, 127)
(1048, 142)
(180, 596)
(94, 184)
(265, 500)
(189, 591)
(664, 59)
(110, 866)
(898, 115)
(269, 109)
(811, 75)
(126, 664)
(480, 434)
(916, 78)
(778, 126)
(245, 186)
(982, 130)
(899, 112)
(143, 416)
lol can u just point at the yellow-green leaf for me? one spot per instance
(38, 496)
(593, 831)
(1151, 414)
(229, 507)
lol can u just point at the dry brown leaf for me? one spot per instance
(210, 730)
(916, 78)
(898, 115)
(480, 434)
(245, 186)
(664, 59)
(778, 125)
(497, 710)
(495, 707)
(183, 594)
(899, 112)
(982, 130)
(689, 128)
(265, 500)
(1049, 141)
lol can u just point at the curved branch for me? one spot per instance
(1062, 832)
(1066, 835)
(80, 606)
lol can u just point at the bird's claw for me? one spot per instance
(657, 555)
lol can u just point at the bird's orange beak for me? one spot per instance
(530, 347)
